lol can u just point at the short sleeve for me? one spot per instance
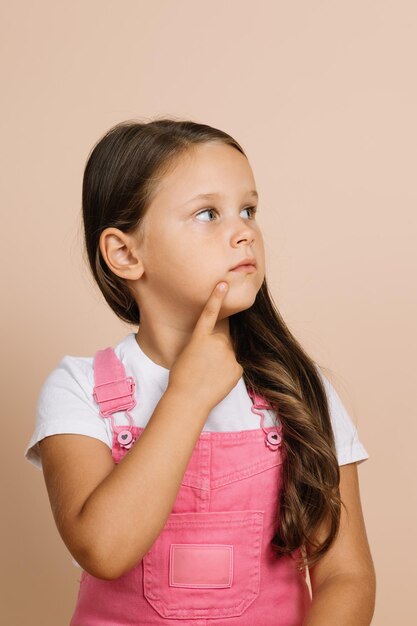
(66, 405)
(349, 448)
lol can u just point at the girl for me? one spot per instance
(209, 501)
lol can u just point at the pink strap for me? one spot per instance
(113, 390)
(258, 401)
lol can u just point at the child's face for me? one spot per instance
(186, 249)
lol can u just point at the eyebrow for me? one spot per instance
(209, 196)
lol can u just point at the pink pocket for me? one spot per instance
(205, 565)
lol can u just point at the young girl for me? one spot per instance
(193, 470)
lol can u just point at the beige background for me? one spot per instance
(323, 97)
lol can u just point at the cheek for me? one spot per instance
(163, 252)
(175, 267)
(183, 261)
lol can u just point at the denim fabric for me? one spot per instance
(212, 563)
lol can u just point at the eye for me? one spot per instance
(251, 209)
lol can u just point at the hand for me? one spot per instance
(207, 368)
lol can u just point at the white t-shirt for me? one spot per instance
(66, 404)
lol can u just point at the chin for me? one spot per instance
(238, 304)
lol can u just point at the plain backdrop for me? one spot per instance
(322, 96)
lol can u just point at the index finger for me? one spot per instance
(208, 317)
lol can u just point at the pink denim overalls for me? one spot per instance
(212, 563)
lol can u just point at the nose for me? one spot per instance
(244, 232)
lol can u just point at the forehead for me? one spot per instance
(207, 171)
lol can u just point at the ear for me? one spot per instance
(121, 253)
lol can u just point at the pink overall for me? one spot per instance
(212, 563)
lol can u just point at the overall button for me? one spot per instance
(125, 438)
(272, 440)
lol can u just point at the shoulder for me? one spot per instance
(74, 375)
(67, 389)
(336, 406)
(349, 447)
(71, 373)
(66, 404)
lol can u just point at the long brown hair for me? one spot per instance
(120, 180)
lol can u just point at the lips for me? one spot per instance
(248, 261)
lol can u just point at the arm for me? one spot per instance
(110, 515)
(343, 582)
